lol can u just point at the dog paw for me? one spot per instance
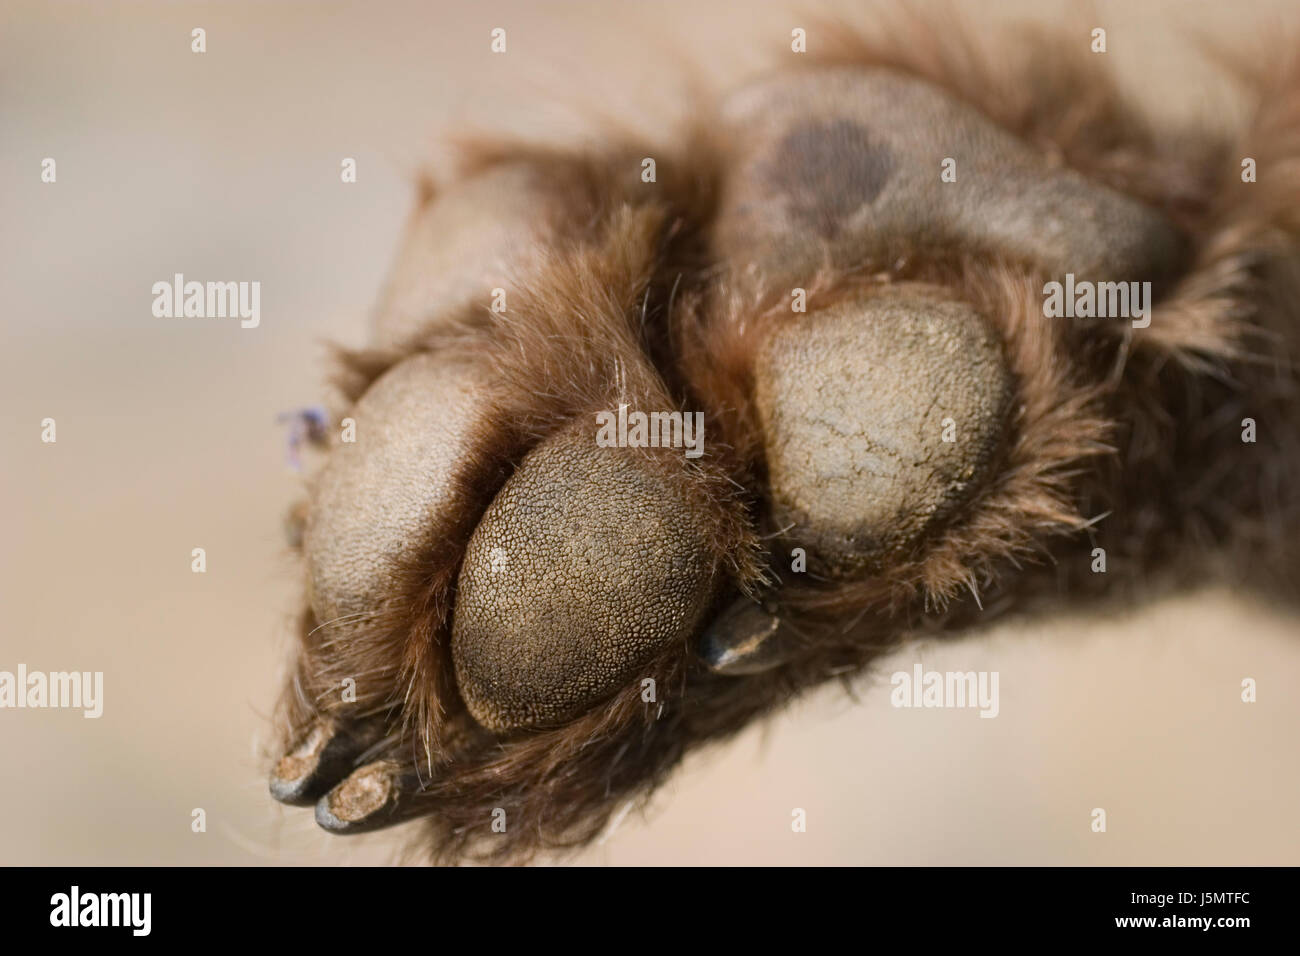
(633, 462)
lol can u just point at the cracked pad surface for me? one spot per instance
(853, 401)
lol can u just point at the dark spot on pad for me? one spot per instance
(828, 171)
(840, 168)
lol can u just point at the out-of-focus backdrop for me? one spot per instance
(226, 165)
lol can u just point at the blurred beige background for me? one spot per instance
(226, 166)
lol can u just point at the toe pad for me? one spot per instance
(588, 562)
(880, 415)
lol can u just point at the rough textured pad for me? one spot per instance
(483, 233)
(378, 497)
(852, 402)
(586, 564)
(841, 167)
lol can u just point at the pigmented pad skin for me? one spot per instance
(852, 401)
(840, 168)
(378, 498)
(486, 232)
(587, 563)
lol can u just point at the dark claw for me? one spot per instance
(745, 639)
(377, 795)
(324, 756)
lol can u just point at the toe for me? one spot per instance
(323, 756)
(375, 796)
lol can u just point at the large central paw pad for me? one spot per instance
(837, 167)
